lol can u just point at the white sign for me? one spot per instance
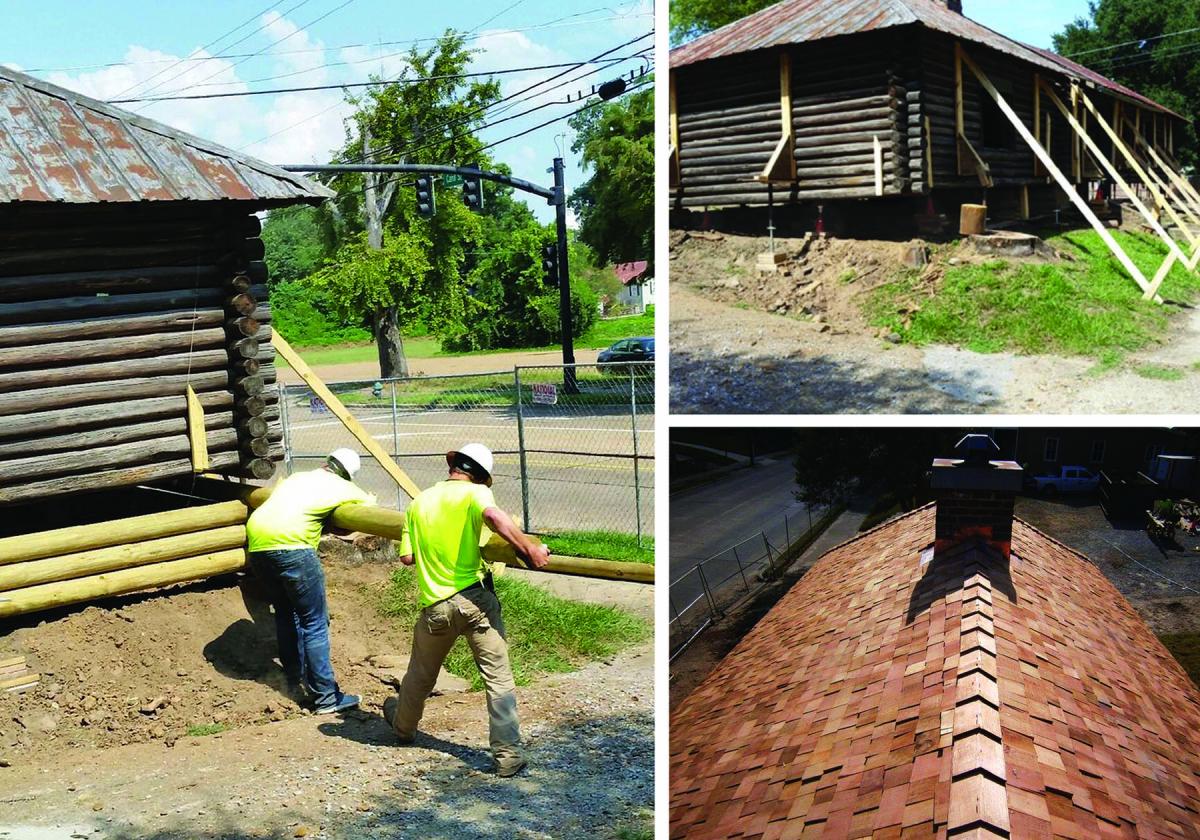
(545, 394)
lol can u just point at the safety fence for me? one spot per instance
(574, 447)
(707, 591)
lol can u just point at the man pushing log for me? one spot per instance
(457, 598)
(283, 535)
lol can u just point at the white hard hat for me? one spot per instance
(349, 460)
(478, 453)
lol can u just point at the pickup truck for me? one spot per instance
(1068, 480)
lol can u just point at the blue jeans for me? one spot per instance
(295, 584)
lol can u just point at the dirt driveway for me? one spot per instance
(725, 359)
(444, 365)
(1161, 579)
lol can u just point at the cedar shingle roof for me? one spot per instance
(893, 695)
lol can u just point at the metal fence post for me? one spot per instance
(287, 432)
(787, 533)
(521, 449)
(637, 483)
(714, 611)
(745, 582)
(770, 560)
(396, 441)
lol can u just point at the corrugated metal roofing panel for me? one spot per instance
(60, 146)
(800, 21)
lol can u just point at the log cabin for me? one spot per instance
(131, 271)
(878, 102)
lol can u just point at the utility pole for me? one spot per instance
(570, 385)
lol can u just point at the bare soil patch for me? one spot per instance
(797, 342)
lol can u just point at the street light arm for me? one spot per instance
(553, 197)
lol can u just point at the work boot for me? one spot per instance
(344, 703)
(390, 706)
(509, 764)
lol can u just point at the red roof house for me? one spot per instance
(952, 673)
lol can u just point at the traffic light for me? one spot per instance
(472, 191)
(426, 203)
(550, 265)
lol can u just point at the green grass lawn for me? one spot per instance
(1087, 306)
(600, 335)
(546, 634)
(601, 545)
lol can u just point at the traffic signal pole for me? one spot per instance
(570, 385)
(557, 197)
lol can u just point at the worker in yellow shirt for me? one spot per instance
(283, 535)
(457, 598)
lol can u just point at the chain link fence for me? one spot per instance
(705, 592)
(574, 447)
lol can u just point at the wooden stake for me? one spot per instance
(348, 420)
(197, 433)
(878, 165)
(674, 119)
(785, 109)
(928, 152)
(1057, 174)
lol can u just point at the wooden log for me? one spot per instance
(128, 556)
(250, 386)
(63, 593)
(58, 309)
(74, 352)
(245, 348)
(202, 360)
(109, 414)
(45, 399)
(242, 304)
(256, 447)
(106, 479)
(259, 468)
(182, 320)
(238, 284)
(28, 231)
(243, 326)
(972, 219)
(119, 455)
(253, 427)
(113, 281)
(117, 433)
(123, 255)
(252, 406)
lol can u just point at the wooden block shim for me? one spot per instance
(121, 531)
(973, 219)
(348, 420)
(197, 433)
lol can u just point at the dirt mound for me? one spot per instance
(151, 667)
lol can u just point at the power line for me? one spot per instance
(291, 34)
(405, 149)
(1132, 43)
(555, 23)
(201, 49)
(348, 85)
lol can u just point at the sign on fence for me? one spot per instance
(545, 393)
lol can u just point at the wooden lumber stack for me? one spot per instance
(107, 316)
(16, 676)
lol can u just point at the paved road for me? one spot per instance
(712, 518)
(580, 475)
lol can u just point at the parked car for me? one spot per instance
(626, 350)
(1068, 480)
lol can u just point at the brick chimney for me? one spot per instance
(975, 495)
(954, 6)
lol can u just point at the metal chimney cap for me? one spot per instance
(977, 449)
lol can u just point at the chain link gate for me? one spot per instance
(566, 461)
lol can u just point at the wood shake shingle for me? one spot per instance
(964, 696)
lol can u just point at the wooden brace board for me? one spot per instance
(1055, 172)
(196, 432)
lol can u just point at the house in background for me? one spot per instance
(637, 289)
(1117, 451)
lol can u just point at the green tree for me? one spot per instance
(1150, 47)
(692, 18)
(615, 206)
(394, 265)
(295, 245)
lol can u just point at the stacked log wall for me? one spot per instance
(107, 315)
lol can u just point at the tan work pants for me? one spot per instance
(474, 613)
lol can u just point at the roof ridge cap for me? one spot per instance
(885, 524)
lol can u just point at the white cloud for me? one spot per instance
(363, 61)
(294, 48)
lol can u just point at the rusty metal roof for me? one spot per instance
(800, 21)
(60, 146)
(891, 693)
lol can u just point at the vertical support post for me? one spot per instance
(712, 601)
(197, 435)
(521, 448)
(637, 476)
(285, 422)
(1024, 201)
(878, 165)
(396, 440)
(928, 152)
(787, 533)
(960, 123)
(770, 559)
(785, 108)
(674, 124)
(745, 582)
(564, 279)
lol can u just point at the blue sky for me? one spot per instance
(318, 42)
(1030, 21)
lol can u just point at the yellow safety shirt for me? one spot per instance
(295, 513)
(444, 524)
